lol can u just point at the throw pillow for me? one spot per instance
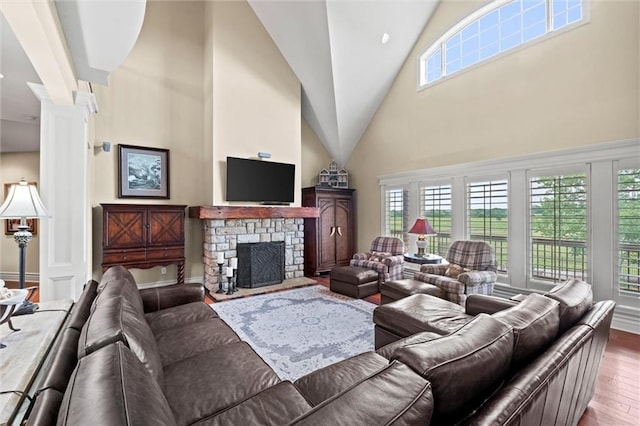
(377, 256)
(454, 270)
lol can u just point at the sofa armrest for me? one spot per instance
(393, 260)
(156, 298)
(482, 304)
(433, 269)
(473, 278)
(393, 395)
(361, 256)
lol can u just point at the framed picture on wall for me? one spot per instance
(11, 225)
(143, 172)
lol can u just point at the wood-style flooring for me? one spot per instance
(617, 397)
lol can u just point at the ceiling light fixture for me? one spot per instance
(1, 75)
(385, 38)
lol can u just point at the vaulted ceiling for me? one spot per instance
(335, 48)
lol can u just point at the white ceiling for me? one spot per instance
(333, 46)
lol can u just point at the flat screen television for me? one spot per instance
(262, 181)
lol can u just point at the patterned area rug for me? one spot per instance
(299, 331)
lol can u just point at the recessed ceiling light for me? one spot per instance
(1, 75)
(385, 38)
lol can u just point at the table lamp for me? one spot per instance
(23, 202)
(422, 228)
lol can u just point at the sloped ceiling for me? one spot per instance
(335, 49)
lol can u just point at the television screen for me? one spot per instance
(262, 181)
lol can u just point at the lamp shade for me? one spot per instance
(23, 201)
(422, 227)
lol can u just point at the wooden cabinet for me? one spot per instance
(143, 236)
(329, 240)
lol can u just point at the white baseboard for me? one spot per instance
(31, 277)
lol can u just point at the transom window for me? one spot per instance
(496, 28)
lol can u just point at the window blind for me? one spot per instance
(487, 216)
(396, 212)
(629, 230)
(435, 205)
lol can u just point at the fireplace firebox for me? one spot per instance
(261, 264)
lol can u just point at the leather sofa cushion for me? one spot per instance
(387, 351)
(123, 286)
(46, 407)
(535, 323)
(111, 387)
(203, 385)
(178, 343)
(575, 299)
(115, 273)
(179, 315)
(82, 308)
(464, 367)
(418, 313)
(394, 395)
(65, 357)
(323, 384)
(277, 405)
(115, 320)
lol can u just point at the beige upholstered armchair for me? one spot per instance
(385, 257)
(471, 270)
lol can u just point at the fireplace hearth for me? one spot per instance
(261, 264)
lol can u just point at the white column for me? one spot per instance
(64, 151)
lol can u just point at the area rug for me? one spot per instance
(299, 331)
(244, 292)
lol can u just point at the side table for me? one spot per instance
(412, 263)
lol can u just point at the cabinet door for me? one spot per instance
(326, 228)
(166, 227)
(124, 227)
(344, 233)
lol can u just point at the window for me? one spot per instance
(396, 213)
(487, 216)
(496, 28)
(435, 205)
(629, 230)
(558, 227)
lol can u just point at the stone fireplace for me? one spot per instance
(224, 235)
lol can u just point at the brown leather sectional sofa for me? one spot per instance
(163, 357)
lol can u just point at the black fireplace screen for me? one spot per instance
(260, 264)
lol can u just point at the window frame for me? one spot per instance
(475, 179)
(626, 297)
(440, 42)
(545, 285)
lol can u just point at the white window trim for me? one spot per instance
(421, 75)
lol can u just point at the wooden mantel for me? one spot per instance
(247, 212)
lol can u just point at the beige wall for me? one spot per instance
(314, 156)
(205, 81)
(155, 99)
(578, 88)
(256, 95)
(13, 167)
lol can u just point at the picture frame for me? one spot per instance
(143, 172)
(11, 225)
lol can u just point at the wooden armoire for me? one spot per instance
(330, 239)
(143, 236)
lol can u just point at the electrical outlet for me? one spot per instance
(163, 270)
